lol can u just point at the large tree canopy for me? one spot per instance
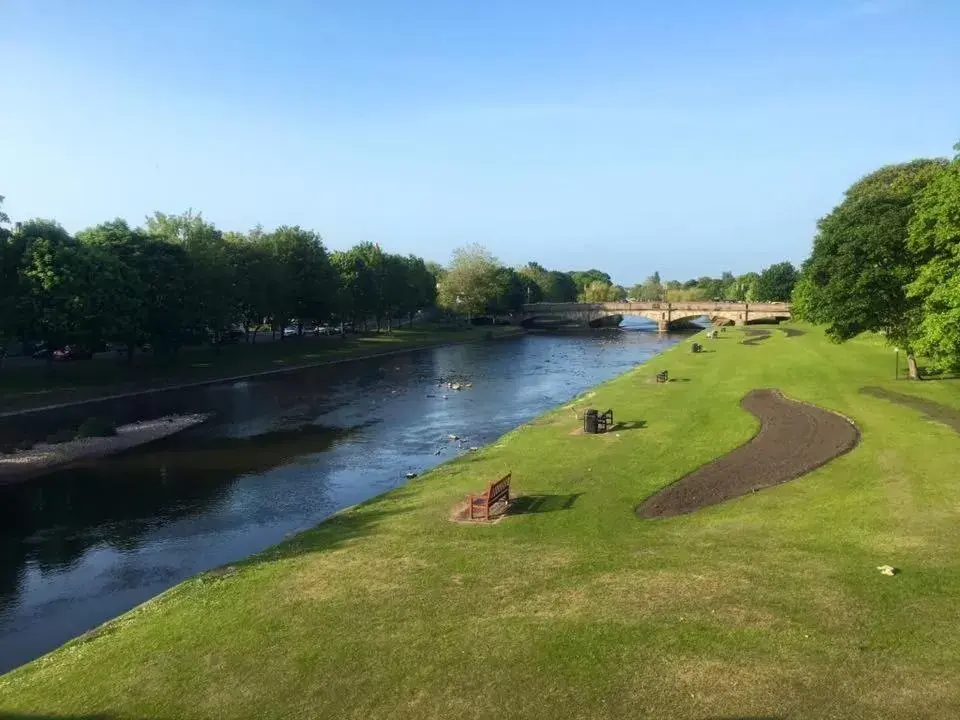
(472, 281)
(775, 283)
(934, 238)
(856, 275)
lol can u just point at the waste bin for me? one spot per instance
(590, 421)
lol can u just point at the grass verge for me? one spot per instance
(38, 385)
(769, 605)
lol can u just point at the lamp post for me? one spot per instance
(896, 363)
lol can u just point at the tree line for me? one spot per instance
(887, 260)
(179, 280)
(476, 283)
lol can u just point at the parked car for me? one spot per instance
(72, 352)
(289, 331)
(325, 330)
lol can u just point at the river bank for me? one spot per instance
(33, 389)
(592, 611)
(44, 458)
(280, 453)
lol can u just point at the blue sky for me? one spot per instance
(685, 137)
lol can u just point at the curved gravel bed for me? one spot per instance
(44, 457)
(794, 438)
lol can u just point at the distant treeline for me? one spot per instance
(179, 280)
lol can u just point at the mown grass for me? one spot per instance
(38, 384)
(766, 606)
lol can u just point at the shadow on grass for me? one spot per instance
(673, 380)
(935, 411)
(532, 504)
(628, 425)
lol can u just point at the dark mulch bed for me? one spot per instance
(794, 438)
(755, 335)
(792, 332)
(935, 411)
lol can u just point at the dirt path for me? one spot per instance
(935, 411)
(794, 438)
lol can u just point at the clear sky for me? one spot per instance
(683, 136)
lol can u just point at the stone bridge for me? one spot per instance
(665, 314)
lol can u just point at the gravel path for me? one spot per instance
(43, 457)
(794, 439)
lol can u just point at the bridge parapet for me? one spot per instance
(663, 313)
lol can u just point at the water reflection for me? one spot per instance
(81, 546)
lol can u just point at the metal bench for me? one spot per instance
(498, 493)
(662, 376)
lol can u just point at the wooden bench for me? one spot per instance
(696, 347)
(662, 376)
(498, 492)
(605, 421)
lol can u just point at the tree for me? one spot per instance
(472, 282)
(51, 289)
(213, 301)
(776, 282)
(582, 278)
(256, 277)
(934, 239)
(307, 283)
(11, 254)
(599, 291)
(511, 292)
(651, 290)
(564, 289)
(117, 281)
(860, 265)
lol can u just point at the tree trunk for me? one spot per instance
(913, 371)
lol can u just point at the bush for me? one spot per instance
(61, 436)
(96, 427)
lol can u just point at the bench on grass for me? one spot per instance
(662, 376)
(595, 422)
(498, 492)
(605, 421)
(696, 347)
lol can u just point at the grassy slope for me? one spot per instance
(769, 605)
(38, 385)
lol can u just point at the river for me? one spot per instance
(281, 454)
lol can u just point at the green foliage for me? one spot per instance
(600, 291)
(651, 290)
(860, 265)
(472, 281)
(775, 283)
(583, 278)
(96, 427)
(934, 238)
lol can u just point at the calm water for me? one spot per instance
(280, 455)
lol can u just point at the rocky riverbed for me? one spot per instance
(45, 457)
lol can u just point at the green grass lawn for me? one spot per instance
(766, 606)
(40, 385)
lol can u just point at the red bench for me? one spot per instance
(497, 493)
